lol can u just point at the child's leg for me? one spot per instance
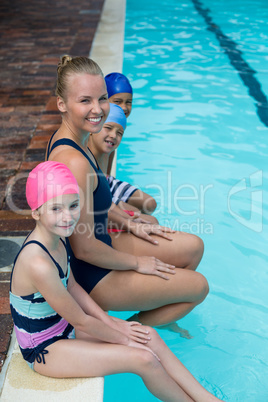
(144, 202)
(178, 371)
(81, 358)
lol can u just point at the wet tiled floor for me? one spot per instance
(33, 35)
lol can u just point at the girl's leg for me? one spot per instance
(160, 301)
(178, 371)
(81, 358)
(184, 250)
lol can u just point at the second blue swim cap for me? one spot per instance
(116, 115)
(117, 83)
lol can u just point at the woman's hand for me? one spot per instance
(143, 231)
(153, 266)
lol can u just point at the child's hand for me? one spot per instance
(140, 346)
(133, 330)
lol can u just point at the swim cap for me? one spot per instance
(48, 180)
(116, 115)
(117, 83)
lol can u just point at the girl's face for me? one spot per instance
(124, 100)
(86, 106)
(108, 139)
(60, 214)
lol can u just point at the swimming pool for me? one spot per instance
(197, 140)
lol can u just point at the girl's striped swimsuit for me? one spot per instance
(36, 324)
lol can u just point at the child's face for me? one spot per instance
(108, 139)
(124, 100)
(86, 106)
(60, 214)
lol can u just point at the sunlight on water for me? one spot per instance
(208, 146)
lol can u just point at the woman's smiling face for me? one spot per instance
(86, 106)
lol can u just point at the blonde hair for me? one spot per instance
(74, 65)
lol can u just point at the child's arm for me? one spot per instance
(110, 163)
(142, 230)
(93, 321)
(90, 307)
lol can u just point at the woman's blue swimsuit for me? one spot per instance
(86, 274)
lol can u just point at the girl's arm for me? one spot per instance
(77, 307)
(132, 329)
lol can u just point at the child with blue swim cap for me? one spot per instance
(125, 195)
(119, 91)
(102, 145)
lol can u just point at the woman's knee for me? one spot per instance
(193, 249)
(202, 287)
(196, 251)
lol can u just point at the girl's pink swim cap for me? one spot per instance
(48, 180)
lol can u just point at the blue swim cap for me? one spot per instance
(117, 83)
(116, 115)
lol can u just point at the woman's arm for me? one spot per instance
(83, 241)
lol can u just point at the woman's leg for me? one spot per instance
(81, 358)
(159, 301)
(178, 371)
(184, 250)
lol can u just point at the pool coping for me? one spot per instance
(107, 50)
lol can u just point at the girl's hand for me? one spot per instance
(140, 346)
(133, 330)
(153, 266)
(144, 230)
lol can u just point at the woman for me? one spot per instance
(121, 271)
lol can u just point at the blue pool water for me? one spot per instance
(197, 140)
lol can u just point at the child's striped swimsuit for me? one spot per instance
(121, 190)
(36, 324)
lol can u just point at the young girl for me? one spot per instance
(61, 331)
(131, 270)
(124, 195)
